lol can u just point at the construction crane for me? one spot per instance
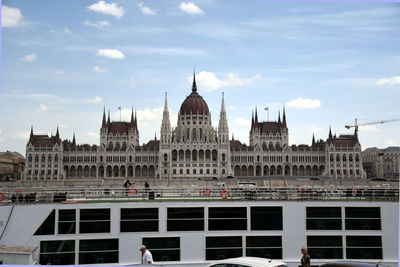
(356, 124)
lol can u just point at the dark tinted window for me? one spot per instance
(364, 247)
(227, 219)
(218, 248)
(139, 220)
(264, 247)
(94, 221)
(163, 248)
(325, 247)
(323, 218)
(97, 251)
(363, 218)
(47, 227)
(60, 252)
(266, 218)
(66, 221)
(185, 219)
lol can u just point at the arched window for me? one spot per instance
(337, 157)
(56, 158)
(331, 157)
(223, 157)
(36, 158)
(271, 145)
(201, 134)
(165, 157)
(30, 158)
(110, 145)
(278, 145)
(43, 157)
(350, 157)
(194, 134)
(357, 157)
(49, 157)
(187, 134)
(130, 158)
(344, 157)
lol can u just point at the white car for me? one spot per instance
(248, 262)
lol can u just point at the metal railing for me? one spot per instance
(87, 194)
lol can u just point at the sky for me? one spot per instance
(328, 63)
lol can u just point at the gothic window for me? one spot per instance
(36, 158)
(165, 157)
(201, 134)
(331, 157)
(49, 158)
(30, 158)
(110, 145)
(271, 145)
(344, 157)
(350, 157)
(194, 135)
(43, 158)
(187, 133)
(223, 157)
(278, 146)
(337, 157)
(357, 157)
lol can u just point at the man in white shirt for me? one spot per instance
(147, 258)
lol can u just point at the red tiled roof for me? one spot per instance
(269, 126)
(194, 104)
(118, 127)
(343, 142)
(237, 145)
(44, 140)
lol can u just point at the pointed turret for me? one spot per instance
(57, 133)
(313, 139)
(103, 124)
(194, 86)
(256, 117)
(356, 135)
(165, 136)
(31, 131)
(252, 119)
(155, 136)
(136, 127)
(73, 139)
(279, 116)
(223, 130)
(284, 118)
(108, 119)
(330, 133)
(132, 116)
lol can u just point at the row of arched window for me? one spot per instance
(43, 158)
(344, 157)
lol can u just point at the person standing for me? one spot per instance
(126, 185)
(305, 260)
(147, 258)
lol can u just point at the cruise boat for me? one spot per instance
(197, 226)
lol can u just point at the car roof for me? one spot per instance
(349, 264)
(252, 261)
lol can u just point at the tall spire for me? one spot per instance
(165, 102)
(194, 86)
(313, 139)
(279, 116)
(31, 130)
(284, 117)
(252, 119)
(330, 133)
(132, 116)
(73, 139)
(256, 117)
(223, 131)
(136, 127)
(57, 133)
(103, 124)
(108, 119)
(165, 133)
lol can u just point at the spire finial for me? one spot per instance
(108, 119)
(284, 117)
(194, 86)
(57, 133)
(330, 133)
(73, 139)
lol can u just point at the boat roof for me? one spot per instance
(350, 264)
(251, 261)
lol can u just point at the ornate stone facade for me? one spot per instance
(193, 149)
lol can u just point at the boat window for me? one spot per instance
(269, 247)
(94, 221)
(364, 247)
(97, 251)
(139, 220)
(47, 227)
(60, 252)
(325, 247)
(266, 218)
(323, 218)
(163, 248)
(363, 218)
(185, 219)
(66, 221)
(224, 247)
(229, 265)
(227, 218)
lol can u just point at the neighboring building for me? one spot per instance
(193, 149)
(382, 163)
(11, 165)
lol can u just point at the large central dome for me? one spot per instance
(194, 104)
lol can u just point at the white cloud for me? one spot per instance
(98, 24)
(108, 9)
(391, 143)
(66, 30)
(242, 122)
(369, 129)
(209, 82)
(59, 72)
(98, 69)
(42, 108)
(146, 10)
(315, 129)
(390, 81)
(304, 103)
(30, 57)
(10, 16)
(191, 8)
(93, 135)
(23, 136)
(111, 53)
(95, 100)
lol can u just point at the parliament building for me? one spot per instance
(194, 148)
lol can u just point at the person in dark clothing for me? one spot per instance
(13, 198)
(146, 186)
(126, 186)
(305, 260)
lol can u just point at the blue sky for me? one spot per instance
(327, 62)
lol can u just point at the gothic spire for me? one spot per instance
(330, 133)
(313, 139)
(31, 130)
(108, 119)
(279, 116)
(73, 139)
(57, 133)
(194, 86)
(256, 117)
(165, 103)
(252, 119)
(103, 124)
(284, 117)
(223, 103)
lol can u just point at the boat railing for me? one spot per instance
(87, 194)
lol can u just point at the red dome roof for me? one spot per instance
(194, 103)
